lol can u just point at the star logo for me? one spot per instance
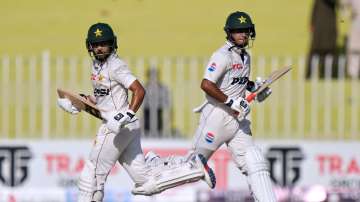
(98, 33)
(242, 19)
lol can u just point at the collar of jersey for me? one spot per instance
(234, 48)
(111, 56)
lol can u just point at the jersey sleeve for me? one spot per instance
(122, 75)
(216, 67)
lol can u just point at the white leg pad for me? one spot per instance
(87, 182)
(259, 176)
(98, 195)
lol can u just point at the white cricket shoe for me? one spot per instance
(196, 168)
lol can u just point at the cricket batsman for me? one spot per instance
(118, 138)
(223, 115)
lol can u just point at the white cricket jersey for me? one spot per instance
(228, 71)
(110, 81)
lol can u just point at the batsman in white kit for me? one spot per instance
(223, 115)
(118, 138)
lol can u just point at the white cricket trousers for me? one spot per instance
(108, 148)
(218, 126)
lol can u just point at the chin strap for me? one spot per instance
(236, 48)
(93, 56)
(233, 45)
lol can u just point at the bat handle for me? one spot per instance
(251, 97)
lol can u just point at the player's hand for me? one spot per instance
(67, 106)
(116, 120)
(261, 96)
(253, 86)
(240, 105)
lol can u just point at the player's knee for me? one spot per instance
(255, 161)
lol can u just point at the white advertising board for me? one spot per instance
(27, 165)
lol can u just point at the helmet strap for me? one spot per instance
(93, 56)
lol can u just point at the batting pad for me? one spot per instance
(259, 176)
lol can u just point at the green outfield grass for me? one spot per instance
(150, 27)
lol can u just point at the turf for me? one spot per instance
(150, 27)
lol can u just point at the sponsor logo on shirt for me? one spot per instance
(101, 92)
(236, 66)
(212, 67)
(240, 80)
(95, 77)
(209, 137)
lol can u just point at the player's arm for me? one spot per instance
(240, 106)
(118, 119)
(211, 89)
(215, 70)
(138, 94)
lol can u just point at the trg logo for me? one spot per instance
(14, 164)
(285, 165)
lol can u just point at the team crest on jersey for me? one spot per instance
(212, 67)
(95, 77)
(209, 137)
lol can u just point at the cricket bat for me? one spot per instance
(271, 79)
(80, 103)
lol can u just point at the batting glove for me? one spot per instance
(252, 86)
(67, 106)
(117, 120)
(240, 105)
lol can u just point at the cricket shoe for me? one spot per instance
(209, 175)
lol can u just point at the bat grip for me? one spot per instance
(251, 97)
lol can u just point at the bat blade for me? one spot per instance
(80, 103)
(271, 79)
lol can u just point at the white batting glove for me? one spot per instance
(239, 105)
(67, 106)
(116, 120)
